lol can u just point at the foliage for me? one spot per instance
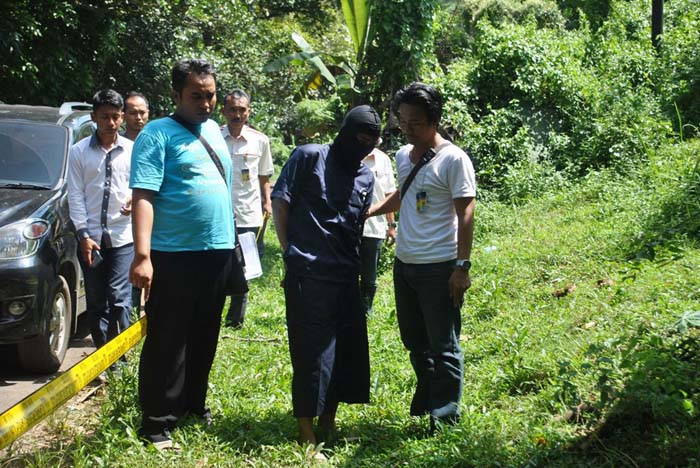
(525, 86)
(91, 47)
(357, 18)
(544, 13)
(314, 12)
(578, 12)
(316, 118)
(674, 216)
(401, 50)
(679, 66)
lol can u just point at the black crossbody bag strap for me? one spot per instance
(212, 154)
(425, 159)
(237, 283)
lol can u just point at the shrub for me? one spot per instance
(530, 177)
(585, 98)
(679, 66)
(316, 119)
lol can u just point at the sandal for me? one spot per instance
(167, 445)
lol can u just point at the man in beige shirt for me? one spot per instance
(250, 187)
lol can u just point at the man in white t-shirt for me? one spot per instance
(376, 229)
(433, 248)
(250, 188)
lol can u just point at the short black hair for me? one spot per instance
(131, 94)
(184, 68)
(237, 93)
(107, 97)
(424, 96)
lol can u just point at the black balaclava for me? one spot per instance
(360, 119)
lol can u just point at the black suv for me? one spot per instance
(41, 286)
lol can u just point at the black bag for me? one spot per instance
(236, 282)
(235, 274)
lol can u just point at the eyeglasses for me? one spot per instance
(413, 124)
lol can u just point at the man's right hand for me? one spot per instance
(86, 246)
(141, 274)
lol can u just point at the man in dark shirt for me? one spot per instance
(318, 205)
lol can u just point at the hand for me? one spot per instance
(86, 246)
(267, 209)
(126, 207)
(458, 284)
(141, 274)
(390, 236)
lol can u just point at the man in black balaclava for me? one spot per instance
(360, 120)
(318, 204)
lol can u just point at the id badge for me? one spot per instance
(245, 175)
(421, 201)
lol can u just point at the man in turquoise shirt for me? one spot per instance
(183, 236)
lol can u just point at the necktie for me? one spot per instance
(106, 238)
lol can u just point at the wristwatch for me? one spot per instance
(84, 235)
(464, 264)
(392, 225)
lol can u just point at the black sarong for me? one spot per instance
(328, 345)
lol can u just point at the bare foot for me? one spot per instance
(306, 431)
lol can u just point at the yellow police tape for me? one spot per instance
(28, 412)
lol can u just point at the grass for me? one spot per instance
(573, 351)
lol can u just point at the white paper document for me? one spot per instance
(253, 269)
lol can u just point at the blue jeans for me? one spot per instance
(430, 326)
(239, 302)
(108, 293)
(370, 250)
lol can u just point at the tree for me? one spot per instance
(60, 50)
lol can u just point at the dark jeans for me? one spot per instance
(108, 293)
(184, 317)
(239, 302)
(370, 250)
(430, 326)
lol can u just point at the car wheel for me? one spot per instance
(45, 352)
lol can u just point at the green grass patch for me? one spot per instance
(580, 344)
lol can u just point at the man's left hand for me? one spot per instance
(458, 284)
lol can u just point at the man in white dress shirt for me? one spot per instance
(250, 189)
(99, 199)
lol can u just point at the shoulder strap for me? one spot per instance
(425, 159)
(212, 154)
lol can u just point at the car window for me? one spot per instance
(32, 154)
(87, 128)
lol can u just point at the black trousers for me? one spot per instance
(184, 317)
